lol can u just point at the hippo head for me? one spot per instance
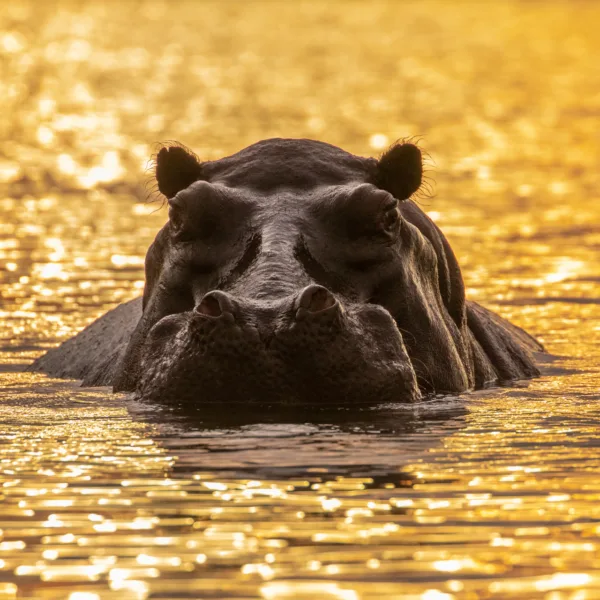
(294, 271)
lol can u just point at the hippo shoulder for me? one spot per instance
(93, 354)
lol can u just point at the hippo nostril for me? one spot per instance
(216, 305)
(314, 299)
(210, 307)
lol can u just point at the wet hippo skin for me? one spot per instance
(294, 271)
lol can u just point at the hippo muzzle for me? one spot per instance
(308, 348)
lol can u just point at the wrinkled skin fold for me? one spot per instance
(294, 271)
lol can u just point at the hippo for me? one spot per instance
(296, 272)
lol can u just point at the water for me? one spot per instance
(491, 494)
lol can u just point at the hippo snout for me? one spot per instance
(308, 347)
(313, 301)
(312, 307)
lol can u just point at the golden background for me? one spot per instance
(491, 495)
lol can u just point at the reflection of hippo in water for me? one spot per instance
(294, 271)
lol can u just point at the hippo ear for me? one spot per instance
(176, 169)
(400, 170)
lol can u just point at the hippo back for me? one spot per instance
(94, 353)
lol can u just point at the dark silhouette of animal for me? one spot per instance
(294, 271)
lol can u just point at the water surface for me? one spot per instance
(493, 494)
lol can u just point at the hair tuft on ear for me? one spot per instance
(400, 170)
(175, 167)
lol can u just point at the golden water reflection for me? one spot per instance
(494, 494)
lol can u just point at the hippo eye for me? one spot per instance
(202, 212)
(361, 212)
(176, 219)
(390, 218)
